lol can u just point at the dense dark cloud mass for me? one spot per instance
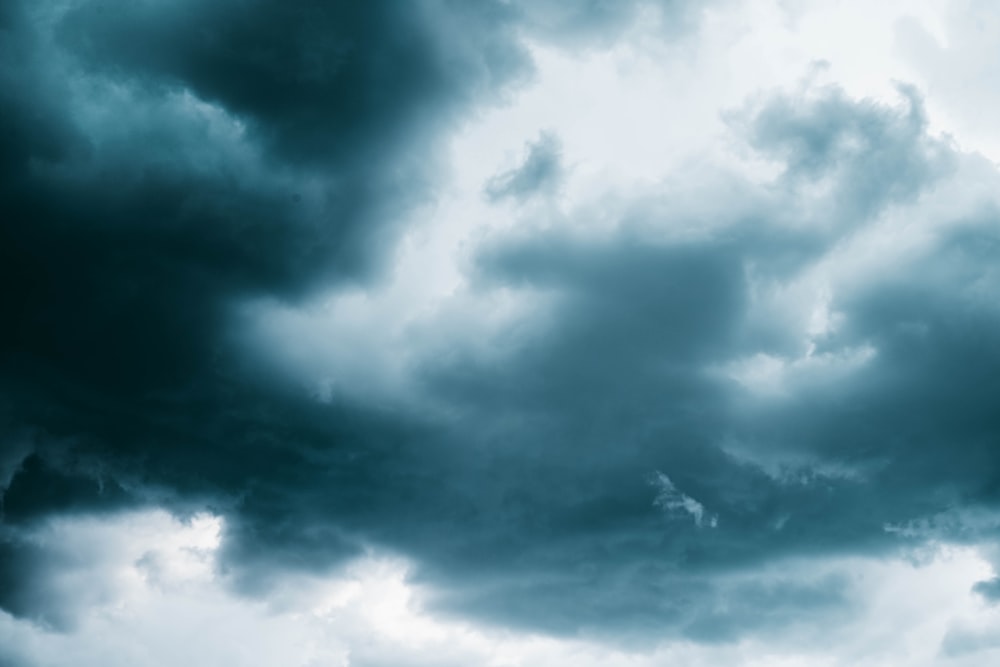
(316, 81)
(136, 217)
(618, 383)
(656, 428)
(164, 161)
(309, 173)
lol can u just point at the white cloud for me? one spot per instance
(670, 499)
(909, 612)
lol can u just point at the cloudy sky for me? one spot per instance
(416, 333)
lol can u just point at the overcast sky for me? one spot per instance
(417, 333)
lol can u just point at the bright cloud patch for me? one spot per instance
(672, 500)
(150, 593)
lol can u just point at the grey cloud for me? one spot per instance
(162, 163)
(540, 172)
(917, 417)
(24, 585)
(960, 642)
(526, 501)
(318, 81)
(611, 384)
(989, 589)
(599, 23)
(39, 488)
(530, 505)
(872, 155)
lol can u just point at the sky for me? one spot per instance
(499, 332)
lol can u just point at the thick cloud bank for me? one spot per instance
(529, 306)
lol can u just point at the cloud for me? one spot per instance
(671, 500)
(540, 171)
(166, 162)
(866, 155)
(801, 335)
(589, 23)
(954, 59)
(147, 591)
(614, 377)
(610, 381)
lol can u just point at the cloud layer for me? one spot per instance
(286, 265)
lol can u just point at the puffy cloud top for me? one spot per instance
(347, 278)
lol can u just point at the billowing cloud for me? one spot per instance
(344, 285)
(151, 594)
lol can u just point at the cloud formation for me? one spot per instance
(540, 171)
(778, 351)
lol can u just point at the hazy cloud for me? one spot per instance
(540, 171)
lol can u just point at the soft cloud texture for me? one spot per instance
(528, 326)
(150, 593)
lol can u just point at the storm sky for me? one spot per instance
(499, 332)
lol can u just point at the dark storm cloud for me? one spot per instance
(920, 417)
(570, 429)
(163, 162)
(91, 225)
(616, 381)
(40, 488)
(24, 590)
(317, 81)
(167, 161)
